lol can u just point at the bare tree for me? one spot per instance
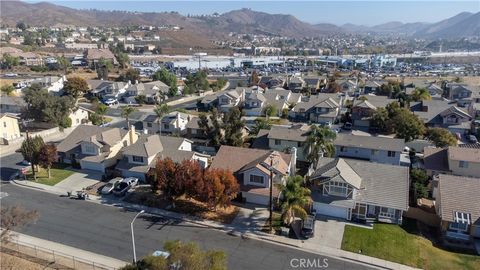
(14, 217)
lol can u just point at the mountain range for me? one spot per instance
(464, 24)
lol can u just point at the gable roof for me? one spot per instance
(373, 102)
(320, 100)
(298, 133)
(458, 194)
(81, 133)
(380, 184)
(464, 153)
(435, 159)
(369, 142)
(145, 146)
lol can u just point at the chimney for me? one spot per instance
(132, 135)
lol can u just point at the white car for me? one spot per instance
(108, 188)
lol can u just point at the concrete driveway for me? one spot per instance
(328, 232)
(79, 180)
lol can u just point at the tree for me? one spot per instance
(141, 99)
(185, 256)
(390, 89)
(7, 89)
(219, 188)
(441, 137)
(123, 59)
(260, 123)
(421, 94)
(234, 125)
(63, 64)
(101, 111)
(419, 180)
(30, 150)
(164, 177)
(333, 87)
(44, 107)
(131, 75)
(10, 61)
(13, 218)
(319, 143)
(75, 87)
(254, 79)
(270, 110)
(407, 125)
(380, 120)
(168, 78)
(160, 110)
(48, 155)
(187, 176)
(126, 111)
(212, 127)
(197, 82)
(22, 26)
(294, 199)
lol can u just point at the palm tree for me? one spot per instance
(160, 111)
(320, 140)
(126, 111)
(294, 199)
(421, 94)
(102, 110)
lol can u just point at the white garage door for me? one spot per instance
(255, 198)
(329, 210)
(87, 165)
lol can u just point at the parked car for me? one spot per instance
(110, 186)
(308, 229)
(347, 126)
(472, 139)
(110, 102)
(25, 163)
(126, 184)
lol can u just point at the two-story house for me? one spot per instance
(252, 167)
(140, 157)
(107, 89)
(462, 160)
(295, 84)
(150, 90)
(372, 148)
(10, 128)
(443, 113)
(364, 107)
(322, 108)
(172, 123)
(230, 99)
(460, 93)
(256, 101)
(360, 190)
(95, 148)
(457, 204)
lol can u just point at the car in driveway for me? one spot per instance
(126, 184)
(110, 186)
(308, 230)
(472, 139)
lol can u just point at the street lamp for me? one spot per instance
(270, 204)
(133, 237)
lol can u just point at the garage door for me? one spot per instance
(87, 165)
(330, 210)
(255, 198)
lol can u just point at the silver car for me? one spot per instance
(108, 188)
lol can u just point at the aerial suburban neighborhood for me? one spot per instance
(218, 137)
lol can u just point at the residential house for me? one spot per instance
(173, 123)
(372, 148)
(95, 148)
(295, 84)
(313, 84)
(93, 56)
(443, 113)
(10, 128)
(12, 104)
(107, 89)
(140, 157)
(460, 93)
(364, 108)
(51, 83)
(322, 108)
(457, 203)
(456, 160)
(371, 86)
(347, 86)
(25, 58)
(151, 90)
(229, 99)
(360, 190)
(272, 82)
(284, 138)
(256, 101)
(80, 116)
(251, 168)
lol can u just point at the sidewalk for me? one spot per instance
(61, 250)
(241, 227)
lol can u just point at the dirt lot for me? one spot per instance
(144, 196)
(10, 262)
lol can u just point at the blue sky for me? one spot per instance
(337, 12)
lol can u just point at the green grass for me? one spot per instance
(394, 243)
(58, 173)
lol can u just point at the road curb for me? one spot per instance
(28, 186)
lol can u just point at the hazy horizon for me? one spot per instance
(367, 13)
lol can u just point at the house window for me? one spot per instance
(391, 153)
(337, 188)
(90, 149)
(166, 126)
(387, 212)
(458, 226)
(463, 164)
(149, 125)
(300, 144)
(343, 149)
(5, 124)
(278, 142)
(137, 159)
(374, 152)
(256, 179)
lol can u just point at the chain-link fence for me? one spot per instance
(56, 258)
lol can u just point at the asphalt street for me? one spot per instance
(106, 230)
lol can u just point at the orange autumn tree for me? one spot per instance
(164, 176)
(220, 187)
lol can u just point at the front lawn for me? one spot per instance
(58, 173)
(393, 243)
